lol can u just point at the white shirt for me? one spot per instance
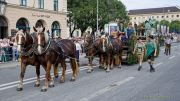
(168, 41)
(78, 46)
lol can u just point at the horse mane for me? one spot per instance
(47, 37)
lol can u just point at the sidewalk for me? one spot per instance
(10, 64)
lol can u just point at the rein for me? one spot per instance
(63, 51)
(45, 49)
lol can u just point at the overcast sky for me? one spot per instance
(140, 4)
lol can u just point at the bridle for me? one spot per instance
(46, 46)
(31, 46)
(91, 46)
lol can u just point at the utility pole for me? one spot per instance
(97, 24)
(108, 18)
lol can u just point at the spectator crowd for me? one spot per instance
(8, 51)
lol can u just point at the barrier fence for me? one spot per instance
(8, 54)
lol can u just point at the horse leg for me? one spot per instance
(23, 69)
(74, 67)
(108, 63)
(104, 62)
(120, 59)
(47, 78)
(62, 79)
(111, 62)
(100, 62)
(90, 67)
(56, 71)
(37, 83)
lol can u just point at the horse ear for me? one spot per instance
(43, 29)
(34, 29)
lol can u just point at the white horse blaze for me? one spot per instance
(39, 43)
(19, 43)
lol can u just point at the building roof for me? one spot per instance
(154, 10)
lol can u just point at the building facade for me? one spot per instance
(24, 14)
(164, 13)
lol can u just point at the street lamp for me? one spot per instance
(2, 7)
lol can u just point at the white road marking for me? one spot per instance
(172, 57)
(34, 78)
(158, 64)
(106, 89)
(30, 80)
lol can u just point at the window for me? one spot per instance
(172, 16)
(177, 16)
(23, 24)
(55, 5)
(157, 16)
(167, 16)
(41, 4)
(162, 16)
(134, 18)
(23, 3)
(55, 27)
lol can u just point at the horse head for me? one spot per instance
(104, 43)
(20, 39)
(88, 40)
(42, 38)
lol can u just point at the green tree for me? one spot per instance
(83, 13)
(164, 22)
(175, 26)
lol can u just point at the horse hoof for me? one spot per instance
(119, 67)
(89, 71)
(36, 85)
(51, 86)
(101, 67)
(105, 68)
(43, 90)
(107, 71)
(19, 89)
(73, 79)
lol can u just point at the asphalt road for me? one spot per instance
(126, 84)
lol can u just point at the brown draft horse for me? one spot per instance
(26, 45)
(54, 52)
(106, 53)
(91, 49)
(117, 50)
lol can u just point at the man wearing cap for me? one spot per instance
(139, 51)
(151, 51)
